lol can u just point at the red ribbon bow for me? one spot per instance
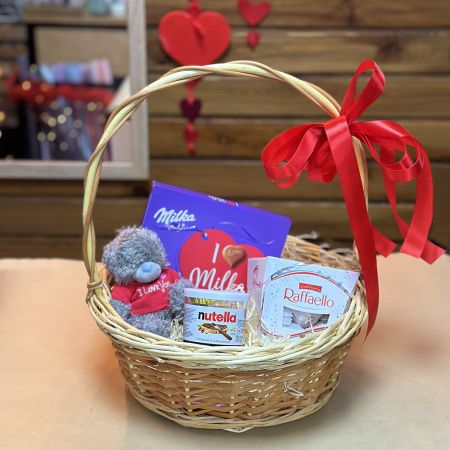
(324, 149)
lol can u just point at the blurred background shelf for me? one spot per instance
(53, 35)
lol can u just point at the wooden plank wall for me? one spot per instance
(321, 41)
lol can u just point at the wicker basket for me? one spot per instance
(230, 388)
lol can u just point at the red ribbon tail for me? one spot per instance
(341, 146)
(415, 234)
(383, 245)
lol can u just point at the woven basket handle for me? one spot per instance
(177, 76)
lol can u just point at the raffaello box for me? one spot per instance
(294, 299)
(208, 239)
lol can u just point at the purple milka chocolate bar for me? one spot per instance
(209, 239)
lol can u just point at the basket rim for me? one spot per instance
(272, 356)
(197, 355)
(180, 75)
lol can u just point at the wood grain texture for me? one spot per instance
(83, 44)
(70, 247)
(285, 13)
(232, 179)
(60, 216)
(400, 13)
(43, 247)
(68, 188)
(247, 179)
(54, 15)
(333, 51)
(317, 51)
(246, 138)
(422, 96)
(425, 96)
(327, 13)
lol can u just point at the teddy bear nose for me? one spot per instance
(148, 272)
(148, 267)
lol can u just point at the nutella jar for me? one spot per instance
(214, 317)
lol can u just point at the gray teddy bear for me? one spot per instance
(147, 293)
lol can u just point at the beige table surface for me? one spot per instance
(60, 387)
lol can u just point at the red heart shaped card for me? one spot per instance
(212, 260)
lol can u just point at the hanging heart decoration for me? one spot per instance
(253, 38)
(191, 110)
(253, 14)
(193, 37)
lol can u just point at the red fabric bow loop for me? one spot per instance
(326, 149)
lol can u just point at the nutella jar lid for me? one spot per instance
(216, 295)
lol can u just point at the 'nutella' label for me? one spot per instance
(217, 324)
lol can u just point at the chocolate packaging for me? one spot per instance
(214, 317)
(208, 239)
(294, 298)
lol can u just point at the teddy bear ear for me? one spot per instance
(126, 232)
(151, 235)
(109, 252)
(158, 251)
(149, 232)
(108, 255)
(111, 248)
(114, 264)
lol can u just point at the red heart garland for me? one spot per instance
(193, 37)
(254, 13)
(194, 40)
